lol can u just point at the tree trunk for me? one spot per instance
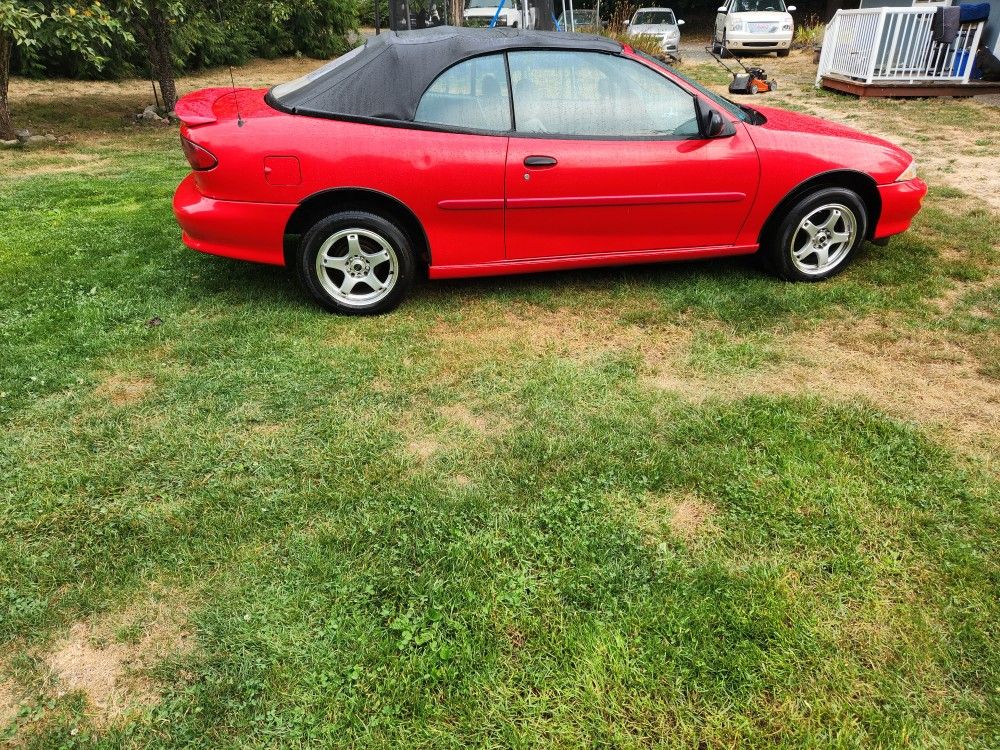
(157, 41)
(455, 10)
(6, 126)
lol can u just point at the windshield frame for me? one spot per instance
(744, 113)
(648, 11)
(782, 7)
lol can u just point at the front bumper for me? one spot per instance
(750, 41)
(668, 44)
(233, 229)
(900, 203)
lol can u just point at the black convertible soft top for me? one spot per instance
(386, 77)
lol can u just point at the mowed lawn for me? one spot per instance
(673, 506)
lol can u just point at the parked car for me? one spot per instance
(516, 14)
(754, 26)
(465, 152)
(658, 22)
(580, 20)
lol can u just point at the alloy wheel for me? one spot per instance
(823, 239)
(357, 267)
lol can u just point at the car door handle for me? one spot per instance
(539, 161)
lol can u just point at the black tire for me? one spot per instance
(783, 53)
(378, 251)
(846, 209)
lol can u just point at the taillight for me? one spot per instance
(198, 157)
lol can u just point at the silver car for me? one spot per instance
(658, 22)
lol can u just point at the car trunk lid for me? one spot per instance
(206, 106)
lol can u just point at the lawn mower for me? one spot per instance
(752, 80)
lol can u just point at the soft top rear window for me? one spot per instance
(283, 89)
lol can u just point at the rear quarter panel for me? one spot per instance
(420, 168)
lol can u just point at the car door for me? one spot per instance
(606, 158)
(455, 173)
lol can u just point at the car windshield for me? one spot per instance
(654, 17)
(757, 6)
(579, 17)
(746, 114)
(486, 4)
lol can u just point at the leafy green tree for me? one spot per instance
(84, 29)
(152, 22)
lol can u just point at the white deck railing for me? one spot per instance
(894, 45)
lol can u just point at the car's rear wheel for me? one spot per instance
(356, 263)
(819, 235)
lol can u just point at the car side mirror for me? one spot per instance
(627, 23)
(680, 21)
(790, 8)
(711, 124)
(722, 9)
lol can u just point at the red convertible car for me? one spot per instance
(470, 152)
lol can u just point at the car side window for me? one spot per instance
(595, 94)
(473, 94)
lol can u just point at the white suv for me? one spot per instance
(512, 13)
(754, 26)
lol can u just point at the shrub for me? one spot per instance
(227, 32)
(809, 34)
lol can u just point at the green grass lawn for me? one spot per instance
(519, 512)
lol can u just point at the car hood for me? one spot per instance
(768, 16)
(813, 136)
(783, 120)
(658, 29)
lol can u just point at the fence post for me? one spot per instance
(876, 45)
(971, 52)
(831, 38)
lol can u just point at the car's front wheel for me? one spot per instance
(356, 263)
(783, 53)
(818, 236)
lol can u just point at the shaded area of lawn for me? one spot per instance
(394, 541)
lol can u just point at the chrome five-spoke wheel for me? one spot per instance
(356, 262)
(357, 267)
(823, 239)
(815, 237)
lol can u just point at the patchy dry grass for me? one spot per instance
(687, 518)
(108, 661)
(120, 390)
(681, 505)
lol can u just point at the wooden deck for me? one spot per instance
(902, 88)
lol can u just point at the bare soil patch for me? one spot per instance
(111, 669)
(122, 391)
